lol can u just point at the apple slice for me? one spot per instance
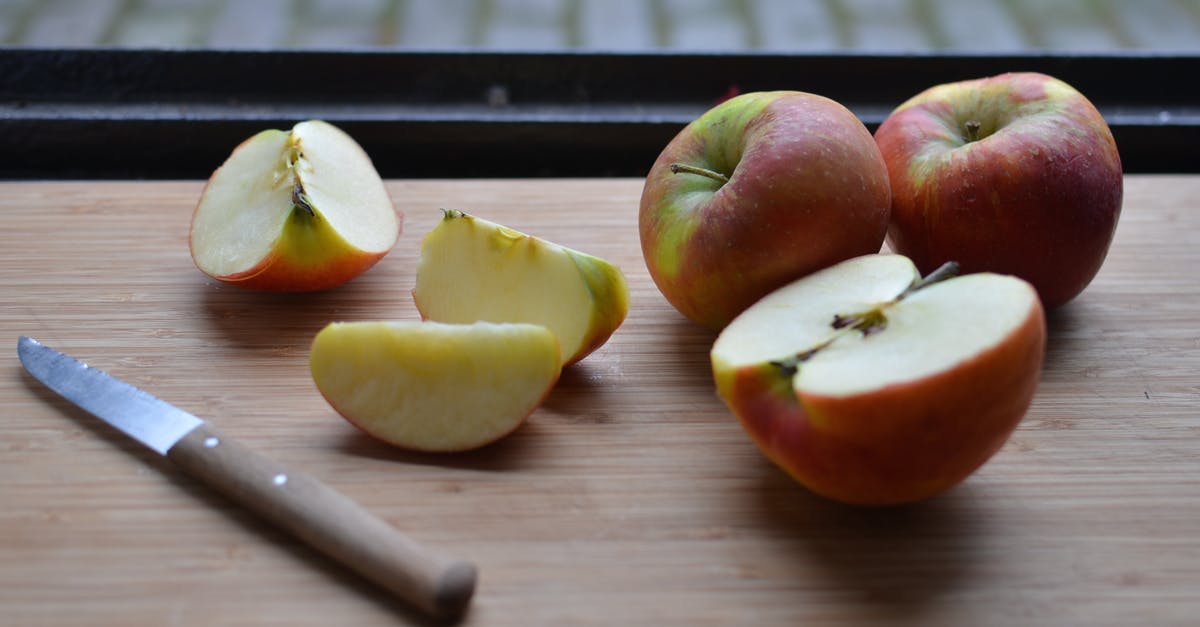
(294, 211)
(472, 269)
(435, 387)
(873, 386)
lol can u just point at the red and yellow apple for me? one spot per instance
(471, 269)
(762, 189)
(1016, 174)
(294, 211)
(435, 387)
(872, 386)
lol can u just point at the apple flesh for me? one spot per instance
(471, 269)
(1015, 174)
(435, 387)
(294, 211)
(872, 386)
(760, 190)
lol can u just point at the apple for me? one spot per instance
(872, 386)
(762, 189)
(472, 269)
(293, 211)
(434, 387)
(1016, 174)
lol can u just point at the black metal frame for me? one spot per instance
(121, 113)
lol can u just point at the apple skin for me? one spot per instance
(434, 387)
(901, 444)
(309, 256)
(307, 253)
(1038, 195)
(807, 188)
(511, 277)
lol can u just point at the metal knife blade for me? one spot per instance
(293, 501)
(141, 416)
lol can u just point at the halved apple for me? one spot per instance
(873, 386)
(435, 387)
(472, 269)
(294, 211)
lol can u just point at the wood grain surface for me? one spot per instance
(632, 497)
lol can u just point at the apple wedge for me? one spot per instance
(871, 385)
(294, 211)
(472, 269)
(435, 387)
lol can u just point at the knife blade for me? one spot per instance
(312, 511)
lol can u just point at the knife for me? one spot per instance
(322, 517)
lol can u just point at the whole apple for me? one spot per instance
(1016, 173)
(762, 189)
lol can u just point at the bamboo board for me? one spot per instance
(631, 497)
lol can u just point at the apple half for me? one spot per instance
(434, 387)
(294, 211)
(472, 269)
(871, 385)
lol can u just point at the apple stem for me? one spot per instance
(945, 271)
(300, 200)
(676, 168)
(972, 127)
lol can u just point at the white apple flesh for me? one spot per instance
(870, 386)
(435, 387)
(471, 269)
(294, 211)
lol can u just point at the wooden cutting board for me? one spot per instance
(630, 498)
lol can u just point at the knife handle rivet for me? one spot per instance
(211, 442)
(279, 479)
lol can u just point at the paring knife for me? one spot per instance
(298, 503)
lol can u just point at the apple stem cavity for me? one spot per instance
(677, 168)
(972, 127)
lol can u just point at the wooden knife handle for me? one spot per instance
(328, 521)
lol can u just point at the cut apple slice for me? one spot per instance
(294, 211)
(870, 385)
(472, 269)
(435, 387)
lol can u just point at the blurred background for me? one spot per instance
(611, 25)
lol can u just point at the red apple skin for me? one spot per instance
(903, 443)
(308, 256)
(277, 273)
(807, 188)
(1039, 198)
